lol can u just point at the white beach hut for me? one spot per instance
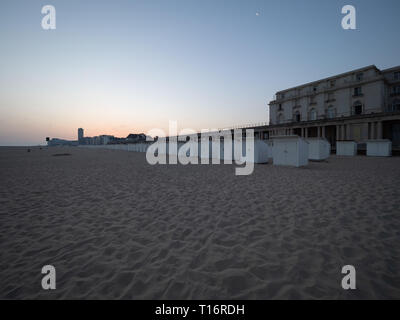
(172, 147)
(226, 153)
(290, 151)
(189, 148)
(162, 144)
(261, 151)
(379, 148)
(179, 145)
(318, 149)
(346, 148)
(207, 145)
(216, 152)
(221, 150)
(270, 144)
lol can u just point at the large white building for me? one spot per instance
(358, 105)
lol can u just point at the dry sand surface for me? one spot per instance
(116, 227)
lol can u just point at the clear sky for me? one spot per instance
(122, 66)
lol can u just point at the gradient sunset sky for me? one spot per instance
(116, 67)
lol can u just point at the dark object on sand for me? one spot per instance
(61, 154)
(29, 150)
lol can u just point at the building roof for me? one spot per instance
(331, 78)
(391, 69)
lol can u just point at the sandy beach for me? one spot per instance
(115, 227)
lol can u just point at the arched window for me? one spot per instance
(279, 119)
(331, 112)
(396, 105)
(357, 108)
(313, 114)
(297, 116)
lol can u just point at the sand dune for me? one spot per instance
(115, 227)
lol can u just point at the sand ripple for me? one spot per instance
(115, 227)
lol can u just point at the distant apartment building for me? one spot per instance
(109, 139)
(61, 142)
(358, 105)
(133, 137)
(80, 136)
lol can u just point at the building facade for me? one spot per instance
(358, 105)
(80, 135)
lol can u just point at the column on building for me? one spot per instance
(379, 130)
(369, 130)
(348, 133)
(373, 130)
(365, 133)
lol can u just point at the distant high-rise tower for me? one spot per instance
(80, 135)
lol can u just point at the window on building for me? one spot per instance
(357, 91)
(297, 116)
(331, 112)
(357, 108)
(315, 89)
(396, 90)
(396, 105)
(332, 83)
(396, 75)
(359, 76)
(280, 107)
(279, 119)
(331, 96)
(313, 114)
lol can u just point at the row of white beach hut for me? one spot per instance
(295, 151)
(136, 147)
(375, 148)
(283, 150)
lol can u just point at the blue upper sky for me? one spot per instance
(124, 66)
